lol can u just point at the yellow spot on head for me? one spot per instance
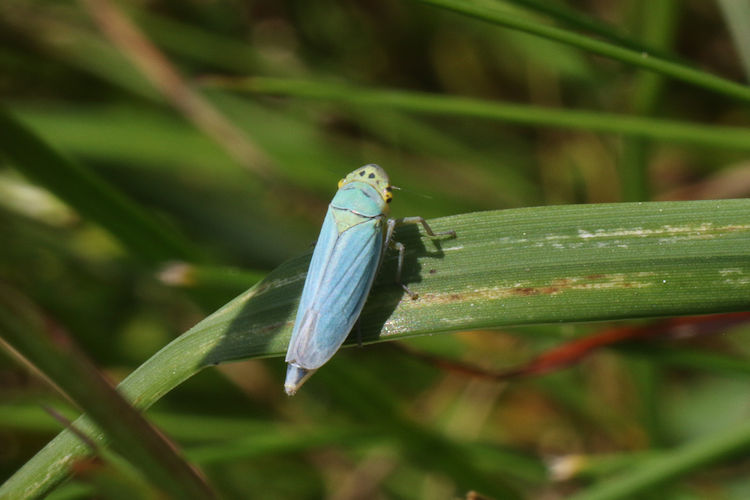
(373, 175)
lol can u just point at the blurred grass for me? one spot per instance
(48, 348)
(636, 58)
(632, 260)
(736, 14)
(658, 29)
(437, 98)
(727, 137)
(90, 195)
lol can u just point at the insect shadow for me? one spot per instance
(387, 292)
(259, 322)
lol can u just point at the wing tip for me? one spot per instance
(295, 377)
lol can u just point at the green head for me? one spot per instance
(374, 176)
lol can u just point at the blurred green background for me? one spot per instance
(237, 178)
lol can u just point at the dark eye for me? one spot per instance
(361, 173)
(371, 176)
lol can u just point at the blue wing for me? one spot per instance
(341, 273)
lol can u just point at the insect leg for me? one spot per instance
(392, 223)
(401, 249)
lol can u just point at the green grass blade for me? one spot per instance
(24, 328)
(576, 19)
(625, 55)
(522, 266)
(737, 15)
(436, 104)
(90, 195)
(658, 29)
(659, 469)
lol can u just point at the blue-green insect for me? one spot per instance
(350, 248)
